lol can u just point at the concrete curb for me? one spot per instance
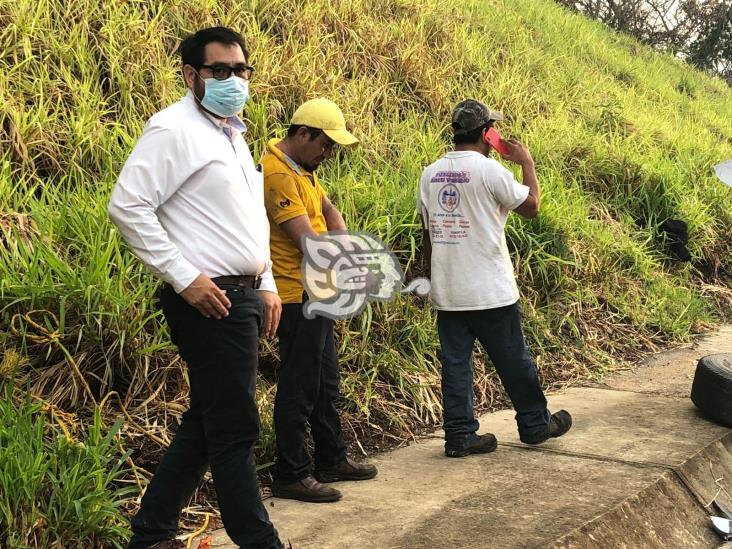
(672, 512)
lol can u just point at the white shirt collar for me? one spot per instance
(461, 154)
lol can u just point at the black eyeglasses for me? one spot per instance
(222, 72)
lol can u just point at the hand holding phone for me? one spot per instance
(493, 138)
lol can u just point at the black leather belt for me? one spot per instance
(244, 281)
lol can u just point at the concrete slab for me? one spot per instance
(636, 470)
(621, 425)
(668, 374)
(515, 503)
(621, 444)
(718, 342)
(422, 499)
(671, 372)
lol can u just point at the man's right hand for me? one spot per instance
(518, 153)
(207, 297)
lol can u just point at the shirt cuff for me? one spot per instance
(181, 274)
(268, 282)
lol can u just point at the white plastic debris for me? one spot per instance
(724, 172)
(723, 527)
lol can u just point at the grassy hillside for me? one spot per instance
(623, 137)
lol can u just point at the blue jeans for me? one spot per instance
(499, 332)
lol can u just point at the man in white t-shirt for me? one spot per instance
(465, 198)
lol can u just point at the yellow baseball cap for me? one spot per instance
(325, 115)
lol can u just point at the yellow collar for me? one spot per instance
(282, 157)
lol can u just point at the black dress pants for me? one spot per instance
(219, 429)
(307, 390)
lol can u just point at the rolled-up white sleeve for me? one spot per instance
(268, 281)
(156, 168)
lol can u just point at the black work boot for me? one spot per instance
(307, 489)
(346, 470)
(482, 445)
(559, 423)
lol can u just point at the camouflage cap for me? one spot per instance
(471, 114)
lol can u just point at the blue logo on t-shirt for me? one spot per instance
(449, 197)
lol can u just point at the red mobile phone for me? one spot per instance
(494, 140)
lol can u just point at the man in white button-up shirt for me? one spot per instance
(189, 203)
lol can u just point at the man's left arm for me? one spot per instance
(427, 252)
(267, 292)
(333, 218)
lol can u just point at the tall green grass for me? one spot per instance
(623, 137)
(57, 492)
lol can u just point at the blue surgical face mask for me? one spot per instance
(225, 98)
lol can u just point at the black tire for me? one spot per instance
(712, 387)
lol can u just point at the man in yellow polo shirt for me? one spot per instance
(307, 387)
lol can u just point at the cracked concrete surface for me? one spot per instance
(635, 471)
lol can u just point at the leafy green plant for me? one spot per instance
(57, 492)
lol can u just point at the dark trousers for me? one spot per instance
(499, 332)
(220, 427)
(307, 390)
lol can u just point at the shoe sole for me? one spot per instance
(553, 435)
(299, 497)
(465, 453)
(560, 433)
(325, 478)
(535, 441)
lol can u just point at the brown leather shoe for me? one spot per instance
(307, 489)
(346, 470)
